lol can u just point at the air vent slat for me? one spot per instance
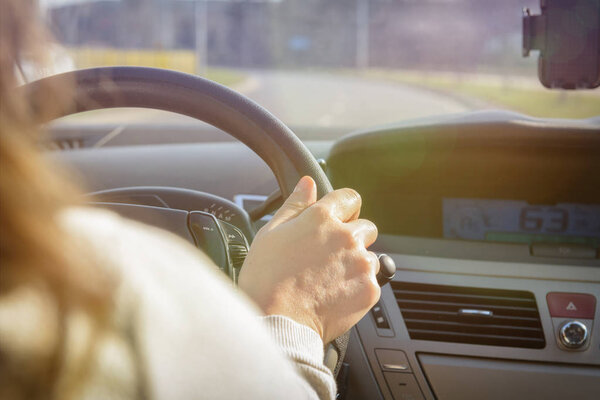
(454, 307)
(454, 317)
(462, 304)
(492, 340)
(473, 328)
(433, 312)
(460, 298)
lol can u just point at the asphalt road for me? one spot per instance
(328, 100)
(317, 100)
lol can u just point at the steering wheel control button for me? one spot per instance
(233, 234)
(237, 247)
(209, 237)
(392, 360)
(571, 305)
(237, 255)
(573, 335)
(403, 386)
(387, 269)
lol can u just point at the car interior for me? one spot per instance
(490, 215)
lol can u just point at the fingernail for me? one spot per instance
(304, 184)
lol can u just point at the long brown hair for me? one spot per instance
(36, 256)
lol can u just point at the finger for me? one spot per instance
(364, 230)
(377, 264)
(303, 196)
(374, 261)
(342, 203)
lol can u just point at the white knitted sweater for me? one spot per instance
(179, 330)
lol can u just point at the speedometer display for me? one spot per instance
(520, 222)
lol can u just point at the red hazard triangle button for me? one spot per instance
(571, 305)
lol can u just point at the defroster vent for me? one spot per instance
(470, 315)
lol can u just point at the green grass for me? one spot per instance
(526, 98)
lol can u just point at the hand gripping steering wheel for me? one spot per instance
(207, 101)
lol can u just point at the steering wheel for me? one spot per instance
(207, 101)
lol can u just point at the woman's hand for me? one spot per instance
(310, 261)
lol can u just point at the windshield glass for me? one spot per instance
(328, 64)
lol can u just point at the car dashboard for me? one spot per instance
(492, 218)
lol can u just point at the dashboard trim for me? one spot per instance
(414, 269)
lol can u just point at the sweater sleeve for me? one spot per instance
(190, 335)
(304, 347)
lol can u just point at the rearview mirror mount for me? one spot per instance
(567, 34)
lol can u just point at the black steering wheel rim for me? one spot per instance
(199, 98)
(196, 97)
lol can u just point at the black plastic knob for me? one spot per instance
(387, 269)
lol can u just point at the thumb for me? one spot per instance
(303, 196)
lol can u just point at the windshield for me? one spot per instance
(334, 65)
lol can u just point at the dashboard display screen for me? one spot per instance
(517, 221)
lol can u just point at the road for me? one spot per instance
(326, 100)
(314, 99)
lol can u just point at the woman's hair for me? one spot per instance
(36, 256)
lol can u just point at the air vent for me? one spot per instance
(470, 315)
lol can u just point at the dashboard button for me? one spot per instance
(392, 360)
(379, 316)
(562, 251)
(571, 305)
(573, 335)
(403, 386)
